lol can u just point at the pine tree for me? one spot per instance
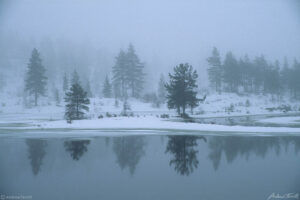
(246, 73)
(215, 70)
(75, 78)
(77, 102)
(135, 75)
(117, 90)
(231, 72)
(128, 74)
(294, 79)
(119, 75)
(36, 80)
(107, 88)
(162, 93)
(285, 76)
(65, 83)
(260, 67)
(181, 88)
(77, 148)
(88, 89)
(272, 79)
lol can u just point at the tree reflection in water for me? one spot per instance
(76, 148)
(233, 146)
(129, 150)
(36, 153)
(184, 153)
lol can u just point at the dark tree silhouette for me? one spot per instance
(128, 74)
(120, 75)
(36, 81)
(77, 102)
(215, 70)
(182, 88)
(184, 153)
(36, 153)
(135, 75)
(76, 148)
(231, 147)
(129, 151)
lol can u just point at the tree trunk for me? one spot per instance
(77, 109)
(178, 110)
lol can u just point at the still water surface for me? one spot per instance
(150, 167)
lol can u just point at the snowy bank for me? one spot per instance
(281, 120)
(153, 123)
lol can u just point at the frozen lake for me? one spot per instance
(150, 167)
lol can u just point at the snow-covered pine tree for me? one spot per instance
(134, 75)
(182, 88)
(65, 83)
(162, 93)
(215, 70)
(36, 81)
(119, 75)
(107, 88)
(77, 102)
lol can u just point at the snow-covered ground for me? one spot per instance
(154, 123)
(281, 120)
(13, 115)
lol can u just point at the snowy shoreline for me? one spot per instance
(145, 124)
(147, 118)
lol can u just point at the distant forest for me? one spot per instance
(257, 76)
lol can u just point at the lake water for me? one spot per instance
(150, 167)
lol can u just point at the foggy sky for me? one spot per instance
(163, 32)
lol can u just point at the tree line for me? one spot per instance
(180, 92)
(257, 76)
(127, 81)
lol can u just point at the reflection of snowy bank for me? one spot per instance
(282, 120)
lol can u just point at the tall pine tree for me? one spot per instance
(128, 76)
(36, 81)
(231, 72)
(135, 75)
(120, 75)
(182, 88)
(215, 70)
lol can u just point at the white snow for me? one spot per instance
(281, 120)
(152, 123)
(48, 116)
